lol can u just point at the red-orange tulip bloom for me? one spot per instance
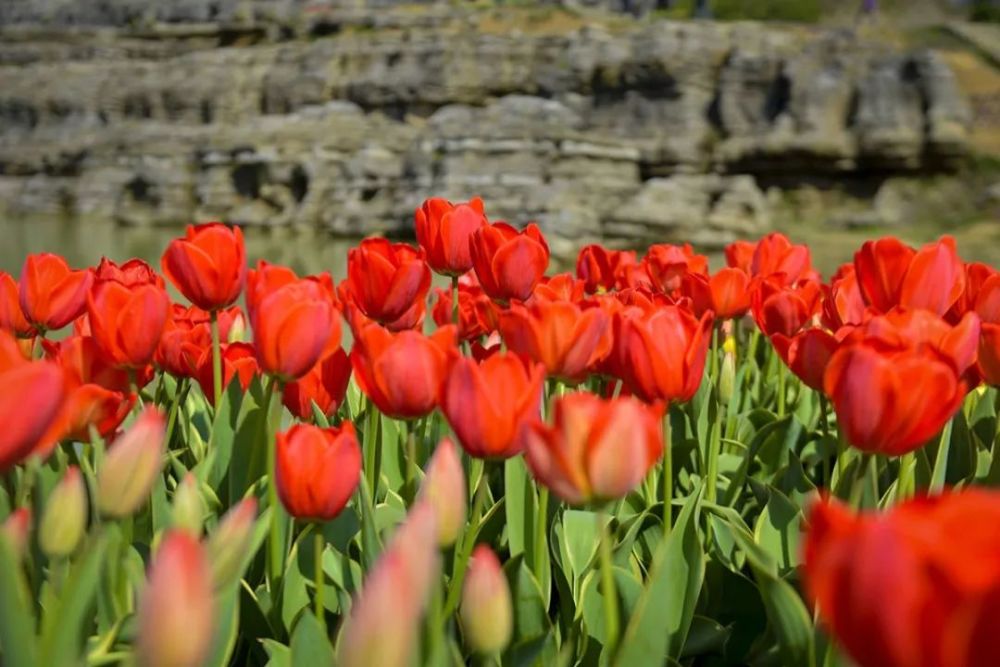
(185, 337)
(595, 448)
(477, 314)
(739, 255)
(988, 308)
(388, 282)
(208, 266)
(132, 273)
(91, 405)
(127, 322)
(317, 470)
(487, 402)
(780, 308)
(51, 294)
(31, 397)
(239, 360)
(891, 274)
(916, 586)
(891, 402)
(807, 354)
(976, 275)
(509, 263)
(402, 372)
(775, 254)
(842, 301)
(727, 293)
(661, 356)
(325, 385)
(600, 268)
(293, 325)
(443, 231)
(666, 265)
(12, 318)
(560, 287)
(84, 363)
(569, 341)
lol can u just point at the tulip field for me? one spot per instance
(640, 462)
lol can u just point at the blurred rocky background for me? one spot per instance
(627, 121)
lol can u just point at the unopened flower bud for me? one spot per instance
(131, 466)
(15, 529)
(444, 489)
(727, 375)
(176, 610)
(188, 510)
(64, 518)
(227, 547)
(486, 611)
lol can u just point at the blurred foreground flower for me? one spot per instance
(487, 611)
(131, 466)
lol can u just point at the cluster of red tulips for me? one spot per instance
(583, 373)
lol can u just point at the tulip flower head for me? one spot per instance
(12, 318)
(388, 282)
(51, 294)
(487, 611)
(509, 263)
(444, 488)
(64, 518)
(208, 265)
(317, 470)
(131, 466)
(443, 231)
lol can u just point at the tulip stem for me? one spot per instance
(781, 389)
(319, 544)
(825, 426)
(668, 475)
(906, 484)
(608, 591)
(454, 300)
(216, 358)
(275, 546)
(180, 394)
(468, 541)
(371, 449)
(941, 460)
(541, 533)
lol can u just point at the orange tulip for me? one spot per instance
(325, 385)
(388, 282)
(976, 275)
(987, 306)
(600, 268)
(402, 372)
(509, 263)
(775, 254)
(84, 363)
(91, 405)
(666, 265)
(51, 294)
(739, 255)
(891, 274)
(31, 397)
(293, 326)
(565, 338)
(208, 266)
(661, 356)
(132, 273)
(443, 231)
(12, 318)
(317, 470)
(560, 287)
(239, 360)
(127, 321)
(176, 613)
(807, 354)
(477, 314)
(778, 307)
(915, 586)
(185, 337)
(727, 293)
(842, 301)
(595, 448)
(486, 403)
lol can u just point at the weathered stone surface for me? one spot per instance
(281, 112)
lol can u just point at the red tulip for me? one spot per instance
(487, 402)
(842, 301)
(727, 293)
(132, 273)
(177, 613)
(595, 448)
(239, 360)
(509, 263)
(661, 356)
(127, 322)
(185, 337)
(891, 402)
(915, 586)
(388, 282)
(51, 294)
(892, 274)
(91, 405)
(317, 470)
(31, 397)
(402, 372)
(781, 308)
(84, 363)
(601, 268)
(293, 324)
(807, 354)
(208, 266)
(666, 265)
(477, 314)
(325, 385)
(443, 231)
(739, 255)
(560, 287)
(12, 318)
(566, 339)
(976, 275)
(775, 254)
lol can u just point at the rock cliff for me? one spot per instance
(345, 115)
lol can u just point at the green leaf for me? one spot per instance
(530, 613)
(582, 535)
(520, 507)
(310, 645)
(17, 618)
(278, 654)
(778, 530)
(706, 636)
(227, 614)
(294, 596)
(659, 626)
(788, 618)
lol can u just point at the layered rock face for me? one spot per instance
(346, 116)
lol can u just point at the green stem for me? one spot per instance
(857, 484)
(275, 546)
(371, 448)
(608, 591)
(825, 426)
(941, 461)
(541, 534)
(468, 542)
(180, 395)
(906, 484)
(319, 544)
(781, 389)
(668, 475)
(454, 300)
(216, 359)
(409, 439)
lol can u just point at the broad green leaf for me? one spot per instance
(663, 614)
(788, 617)
(530, 614)
(294, 597)
(310, 645)
(778, 530)
(582, 534)
(17, 624)
(227, 617)
(278, 654)
(520, 507)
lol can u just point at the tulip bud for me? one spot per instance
(15, 530)
(486, 611)
(176, 614)
(228, 545)
(64, 517)
(444, 489)
(131, 466)
(727, 375)
(237, 330)
(188, 511)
